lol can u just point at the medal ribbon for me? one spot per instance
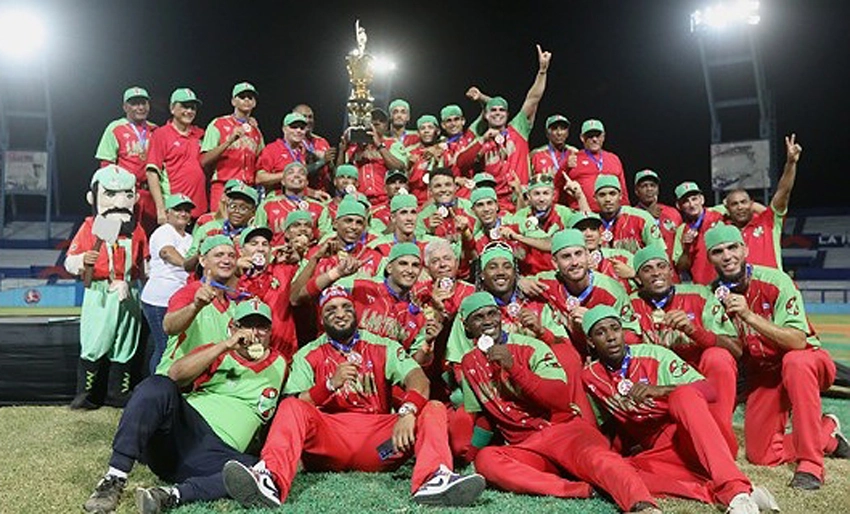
(141, 135)
(733, 285)
(296, 154)
(556, 158)
(234, 294)
(345, 348)
(596, 161)
(659, 304)
(698, 223)
(624, 366)
(502, 303)
(584, 294)
(608, 224)
(404, 297)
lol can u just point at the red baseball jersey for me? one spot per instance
(588, 167)
(176, 158)
(702, 272)
(762, 236)
(384, 312)
(668, 221)
(371, 171)
(274, 157)
(369, 258)
(239, 160)
(126, 144)
(406, 139)
(127, 254)
(273, 285)
(420, 164)
(274, 209)
(381, 364)
(631, 229)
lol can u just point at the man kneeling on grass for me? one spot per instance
(186, 439)
(340, 418)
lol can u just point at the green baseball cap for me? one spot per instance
(403, 202)
(349, 206)
(686, 189)
(557, 118)
(294, 117)
(395, 173)
(230, 184)
(399, 102)
(402, 249)
(113, 178)
(591, 126)
(135, 92)
(245, 191)
(251, 307)
(496, 101)
(484, 180)
(449, 111)
(540, 180)
(295, 216)
(495, 252)
(649, 253)
(603, 181)
(597, 314)
(177, 200)
(646, 175)
(347, 170)
(474, 302)
(427, 118)
(567, 238)
(579, 216)
(244, 86)
(212, 241)
(184, 95)
(255, 230)
(482, 193)
(722, 233)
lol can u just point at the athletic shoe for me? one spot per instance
(447, 488)
(842, 451)
(155, 500)
(742, 504)
(764, 499)
(251, 487)
(106, 494)
(805, 481)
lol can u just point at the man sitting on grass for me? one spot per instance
(186, 439)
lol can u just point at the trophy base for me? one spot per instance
(359, 135)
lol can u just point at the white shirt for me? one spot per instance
(165, 278)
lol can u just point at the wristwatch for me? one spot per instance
(406, 408)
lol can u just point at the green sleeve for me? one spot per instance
(421, 230)
(399, 363)
(789, 310)
(325, 223)
(672, 370)
(470, 401)
(544, 364)
(261, 217)
(652, 233)
(623, 305)
(212, 138)
(714, 318)
(107, 150)
(458, 344)
(550, 321)
(198, 236)
(678, 249)
(377, 227)
(301, 376)
(521, 124)
(721, 208)
(399, 151)
(476, 126)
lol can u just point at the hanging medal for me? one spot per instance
(484, 343)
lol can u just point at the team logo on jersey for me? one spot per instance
(654, 230)
(267, 403)
(669, 225)
(627, 313)
(791, 306)
(678, 368)
(758, 232)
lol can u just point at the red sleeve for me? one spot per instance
(204, 377)
(183, 297)
(83, 240)
(265, 161)
(545, 392)
(156, 154)
(631, 337)
(466, 158)
(623, 185)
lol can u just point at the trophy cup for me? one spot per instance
(360, 74)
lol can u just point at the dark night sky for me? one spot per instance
(633, 64)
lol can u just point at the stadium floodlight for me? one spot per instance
(383, 65)
(22, 33)
(727, 14)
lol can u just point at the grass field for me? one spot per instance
(51, 458)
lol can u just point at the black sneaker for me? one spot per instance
(805, 481)
(105, 497)
(842, 451)
(154, 500)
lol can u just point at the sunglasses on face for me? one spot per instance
(190, 106)
(299, 126)
(137, 101)
(246, 96)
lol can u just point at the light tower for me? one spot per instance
(743, 118)
(27, 139)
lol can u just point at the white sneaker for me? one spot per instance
(764, 499)
(447, 488)
(251, 487)
(742, 504)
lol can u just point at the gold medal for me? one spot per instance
(658, 316)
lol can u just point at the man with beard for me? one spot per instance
(111, 312)
(517, 385)
(384, 307)
(200, 311)
(623, 226)
(658, 406)
(403, 215)
(429, 153)
(614, 262)
(234, 385)
(762, 232)
(688, 319)
(339, 418)
(125, 142)
(276, 207)
(573, 288)
(174, 161)
(786, 366)
(689, 252)
(668, 218)
(593, 161)
(399, 110)
(232, 143)
(502, 150)
(240, 207)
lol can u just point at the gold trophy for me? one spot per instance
(360, 74)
